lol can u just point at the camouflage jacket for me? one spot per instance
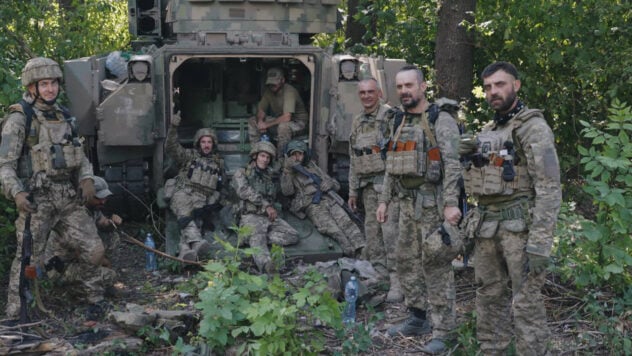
(255, 189)
(14, 153)
(373, 124)
(446, 133)
(302, 187)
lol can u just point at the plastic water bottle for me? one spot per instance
(150, 256)
(351, 296)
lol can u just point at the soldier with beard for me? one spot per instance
(45, 171)
(195, 192)
(423, 170)
(514, 173)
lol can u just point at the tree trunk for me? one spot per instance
(454, 52)
(354, 30)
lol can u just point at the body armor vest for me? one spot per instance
(371, 136)
(203, 173)
(262, 183)
(53, 149)
(406, 155)
(496, 154)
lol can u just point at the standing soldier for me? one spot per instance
(315, 195)
(514, 172)
(369, 134)
(257, 207)
(195, 191)
(423, 169)
(281, 111)
(44, 169)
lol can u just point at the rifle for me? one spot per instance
(26, 271)
(332, 194)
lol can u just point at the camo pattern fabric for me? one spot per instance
(501, 248)
(425, 285)
(381, 239)
(186, 197)
(57, 201)
(287, 100)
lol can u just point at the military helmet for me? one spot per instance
(201, 133)
(296, 145)
(263, 146)
(40, 68)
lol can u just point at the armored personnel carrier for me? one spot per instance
(207, 59)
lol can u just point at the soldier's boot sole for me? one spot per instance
(434, 347)
(202, 248)
(411, 327)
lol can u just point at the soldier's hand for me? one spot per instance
(468, 144)
(537, 263)
(23, 204)
(452, 214)
(87, 189)
(176, 119)
(117, 220)
(272, 213)
(326, 185)
(352, 203)
(289, 162)
(380, 214)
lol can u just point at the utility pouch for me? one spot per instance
(433, 172)
(368, 164)
(402, 162)
(488, 229)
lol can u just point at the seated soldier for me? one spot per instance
(195, 191)
(257, 193)
(313, 192)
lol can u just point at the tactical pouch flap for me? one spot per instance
(488, 229)
(402, 162)
(368, 164)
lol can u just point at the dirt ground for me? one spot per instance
(65, 329)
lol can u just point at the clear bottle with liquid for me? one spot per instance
(150, 256)
(351, 296)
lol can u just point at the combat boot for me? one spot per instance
(202, 248)
(395, 294)
(434, 347)
(413, 326)
(186, 253)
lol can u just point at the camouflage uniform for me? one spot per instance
(257, 191)
(26, 164)
(286, 100)
(426, 285)
(196, 186)
(369, 130)
(513, 218)
(327, 215)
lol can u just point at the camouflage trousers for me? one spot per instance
(381, 239)
(425, 285)
(58, 209)
(505, 289)
(182, 204)
(283, 132)
(265, 232)
(332, 220)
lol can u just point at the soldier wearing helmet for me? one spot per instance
(281, 112)
(44, 170)
(258, 207)
(311, 190)
(195, 192)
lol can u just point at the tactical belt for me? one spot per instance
(196, 187)
(516, 210)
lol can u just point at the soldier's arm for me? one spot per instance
(447, 134)
(246, 192)
(543, 166)
(13, 136)
(354, 182)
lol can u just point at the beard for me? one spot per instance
(411, 104)
(506, 104)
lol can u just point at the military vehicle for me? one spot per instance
(207, 59)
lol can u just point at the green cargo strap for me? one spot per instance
(516, 210)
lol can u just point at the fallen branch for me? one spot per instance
(128, 238)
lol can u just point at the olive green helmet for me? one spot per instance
(201, 133)
(296, 145)
(263, 146)
(40, 68)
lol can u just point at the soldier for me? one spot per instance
(315, 195)
(43, 169)
(369, 133)
(514, 172)
(258, 209)
(195, 192)
(281, 111)
(423, 169)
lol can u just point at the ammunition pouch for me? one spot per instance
(203, 176)
(401, 163)
(367, 164)
(433, 171)
(488, 180)
(56, 160)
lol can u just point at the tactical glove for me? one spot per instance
(468, 144)
(86, 187)
(176, 119)
(23, 204)
(537, 263)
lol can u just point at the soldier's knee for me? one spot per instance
(96, 255)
